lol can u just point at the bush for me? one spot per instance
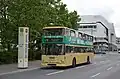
(12, 57)
(8, 57)
(38, 55)
(34, 55)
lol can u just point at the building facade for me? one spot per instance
(112, 38)
(101, 29)
(118, 43)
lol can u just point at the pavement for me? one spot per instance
(103, 67)
(13, 68)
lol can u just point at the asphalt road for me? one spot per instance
(103, 67)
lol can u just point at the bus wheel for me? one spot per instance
(88, 60)
(74, 62)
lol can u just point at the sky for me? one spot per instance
(109, 9)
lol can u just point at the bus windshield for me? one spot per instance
(53, 32)
(53, 49)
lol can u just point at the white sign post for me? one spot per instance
(23, 38)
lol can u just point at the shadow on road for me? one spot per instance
(62, 68)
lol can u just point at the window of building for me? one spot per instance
(84, 26)
(90, 26)
(118, 41)
(81, 27)
(95, 26)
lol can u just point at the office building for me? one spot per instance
(101, 29)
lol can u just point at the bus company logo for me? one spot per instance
(82, 42)
(78, 41)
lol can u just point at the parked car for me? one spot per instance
(103, 52)
(119, 51)
(100, 52)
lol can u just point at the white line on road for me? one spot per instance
(109, 68)
(94, 63)
(95, 75)
(102, 61)
(79, 67)
(108, 61)
(118, 64)
(55, 72)
(21, 70)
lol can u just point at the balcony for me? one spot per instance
(101, 40)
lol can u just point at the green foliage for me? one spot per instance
(8, 57)
(34, 14)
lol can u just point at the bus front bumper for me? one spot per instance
(53, 64)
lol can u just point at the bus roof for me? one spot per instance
(51, 27)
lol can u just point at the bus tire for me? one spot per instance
(74, 62)
(88, 60)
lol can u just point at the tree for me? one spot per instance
(34, 14)
(5, 24)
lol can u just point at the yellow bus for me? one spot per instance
(64, 46)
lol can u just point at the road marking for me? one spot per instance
(95, 75)
(94, 63)
(117, 64)
(55, 72)
(109, 68)
(79, 67)
(108, 60)
(102, 61)
(21, 70)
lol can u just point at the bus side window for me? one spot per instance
(80, 35)
(84, 37)
(67, 32)
(76, 50)
(72, 33)
(92, 38)
(84, 50)
(68, 49)
(79, 50)
(72, 49)
(63, 31)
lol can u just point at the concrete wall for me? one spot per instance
(112, 35)
(101, 31)
(118, 43)
(98, 18)
(88, 19)
(94, 19)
